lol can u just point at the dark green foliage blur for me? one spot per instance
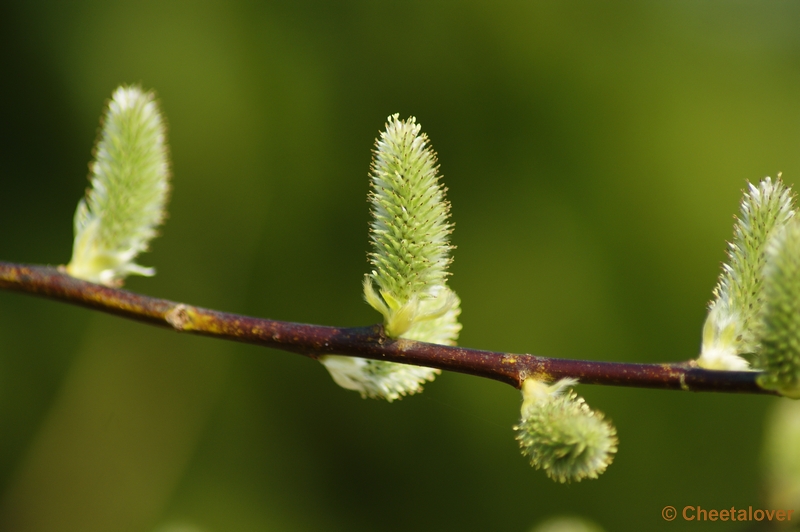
(594, 154)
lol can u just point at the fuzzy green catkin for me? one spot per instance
(409, 257)
(409, 231)
(129, 191)
(732, 325)
(562, 435)
(780, 331)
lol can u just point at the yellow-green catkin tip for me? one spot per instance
(567, 524)
(560, 434)
(780, 331)
(780, 455)
(732, 326)
(128, 194)
(409, 258)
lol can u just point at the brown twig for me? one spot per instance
(366, 342)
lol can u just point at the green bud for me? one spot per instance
(129, 190)
(734, 318)
(562, 435)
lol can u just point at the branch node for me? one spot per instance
(178, 317)
(685, 387)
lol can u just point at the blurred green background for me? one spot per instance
(594, 154)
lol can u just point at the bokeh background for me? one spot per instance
(594, 152)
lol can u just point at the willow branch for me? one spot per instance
(367, 342)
